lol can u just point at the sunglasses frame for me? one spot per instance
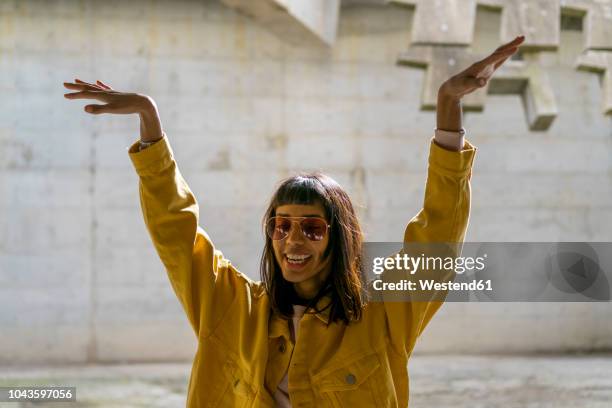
(299, 221)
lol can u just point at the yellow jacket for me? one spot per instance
(244, 351)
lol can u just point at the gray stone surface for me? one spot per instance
(536, 381)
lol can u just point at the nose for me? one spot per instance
(295, 234)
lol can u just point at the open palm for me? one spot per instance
(115, 102)
(478, 74)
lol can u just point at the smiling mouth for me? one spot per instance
(297, 260)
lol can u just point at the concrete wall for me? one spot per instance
(79, 280)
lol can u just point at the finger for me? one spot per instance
(487, 71)
(514, 43)
(500, 59)
(495, 58)
(499, 63)
(99, 95)
(77, 80)
(103, 85)
(498, 55)
(98, 109)
(81, 87)
(71, 85)
(93, 86)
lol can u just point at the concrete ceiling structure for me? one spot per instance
(525, 78)
(597, 16)
(601, 63)
(597, 54)
(442, 31)
(440, 48)
(294, 20)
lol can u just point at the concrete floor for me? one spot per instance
(583, 381)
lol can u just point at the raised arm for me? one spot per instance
(119, 103)
(476, 76)
(446, 207)
(170, 211)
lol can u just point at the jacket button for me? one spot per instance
(350, 379)
(282, 347)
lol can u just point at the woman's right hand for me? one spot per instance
(119, 103)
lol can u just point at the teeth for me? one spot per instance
(297, 258)
(291, 256)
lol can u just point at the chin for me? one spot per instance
(294, 277)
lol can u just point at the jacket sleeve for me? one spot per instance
(201, 277)
(443, 219)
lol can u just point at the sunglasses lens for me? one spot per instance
(314, 228)
(278, 228)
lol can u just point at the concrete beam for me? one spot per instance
(442, 22)
(597, 28)
(525, 78)
(538, 20)
(601, 63)
(441, 62)
(598, 21)
(294, 20)
(528, 79)
(452, 22)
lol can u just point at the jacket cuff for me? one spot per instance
(153, 159)
(450, 139)
(451, 163)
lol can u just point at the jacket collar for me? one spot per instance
(278, 326)
(324, 305)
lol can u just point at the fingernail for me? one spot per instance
(88, 109)
(481, 82)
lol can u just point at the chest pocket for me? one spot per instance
(355, 384)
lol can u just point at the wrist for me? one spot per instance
(147, 108)
(448, 111)
(143, 144)
(150, 123)
(447, 97)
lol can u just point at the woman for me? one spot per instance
(303, 337)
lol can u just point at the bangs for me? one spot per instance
(301, 190)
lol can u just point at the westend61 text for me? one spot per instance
(413, 264)
(429, 285)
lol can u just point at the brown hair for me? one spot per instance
(344, 283)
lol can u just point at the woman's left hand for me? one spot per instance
(478, 74)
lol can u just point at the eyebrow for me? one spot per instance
(307, 215)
